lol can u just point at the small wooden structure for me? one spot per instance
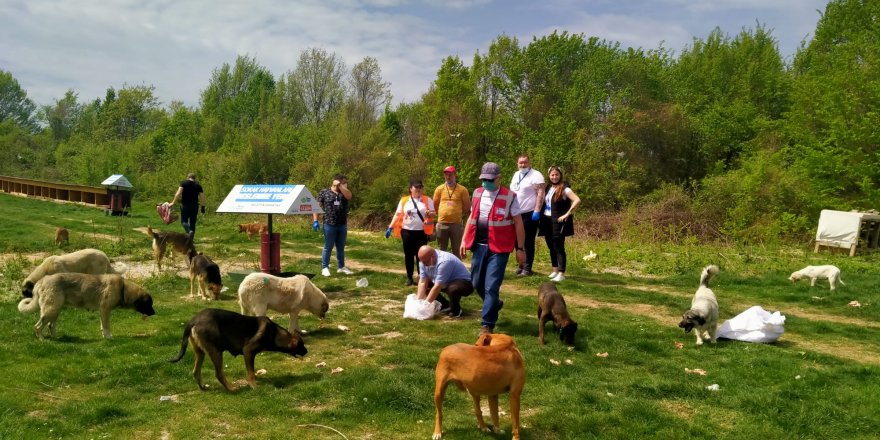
(848, 230)
(96, 197)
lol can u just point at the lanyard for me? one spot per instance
(523, 176)
(450, 193)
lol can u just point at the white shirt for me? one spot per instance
(488, 199)
(526, 187)
(548, 198)
(411, 220)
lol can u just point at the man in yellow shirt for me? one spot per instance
(453, 203)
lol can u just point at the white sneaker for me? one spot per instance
(325, 271)
(559, 277)
(552, 274)
(344, 270)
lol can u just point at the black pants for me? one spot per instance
(188, 214)
(556, 245)
(412, 241)
(531, 228)
(456, 290)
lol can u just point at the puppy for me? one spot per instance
(831, 273)
(491, 367)
(551, 305)
(61, 237)
(208, 273)
(214, 331)
(178, 242)
(92, 292)
(703, 314)
(259, 292)
(252, 228)
(91, 261)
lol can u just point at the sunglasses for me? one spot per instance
(488, 180)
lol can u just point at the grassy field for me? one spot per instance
(820, 381)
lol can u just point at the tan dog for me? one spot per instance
(62, 236)
(90, 261)
(252, 228)
(551, 306)
(260, 291)
(831, 273)
(208, 273)
(491, 367)
(92, 292)
(178, 242)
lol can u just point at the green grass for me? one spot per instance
(818, 382)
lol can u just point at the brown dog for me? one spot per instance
(551, 305)
(252, 228)
(61, 236)
(208, 273)
(214, 331)
(180, 243)
(493, 366)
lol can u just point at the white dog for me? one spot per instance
(90, 261)
(831, 273)
(703, 314)
(260, 291)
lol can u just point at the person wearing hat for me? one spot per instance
(453, 203)
(494, 230)
(528, 184)
(191, 195)
(413, 222)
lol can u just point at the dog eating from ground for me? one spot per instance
(178, 242)
(551, 306)
(62, 236)
(252, 228)
(91, 261)
(214, 331)
(831, 273)
(207, 273)
(703, 314)
(259, 292)
(493, 366)
(91, 292)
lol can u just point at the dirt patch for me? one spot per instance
(679, 409)
(386, 335)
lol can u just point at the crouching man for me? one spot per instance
(441, 272)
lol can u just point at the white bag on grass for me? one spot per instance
(419, 309)
(753, 325)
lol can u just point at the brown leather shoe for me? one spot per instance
(485, 330)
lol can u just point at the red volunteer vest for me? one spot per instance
(502, 233)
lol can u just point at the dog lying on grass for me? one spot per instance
(91, 261)
(252, 228)
(214, 331)
(703, 314)
(208, 274)
(259, 292)
(831, 273)
(493, 366)
(180, 243)
(551, 306)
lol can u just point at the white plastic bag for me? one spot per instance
(753, 325)
(419, 309)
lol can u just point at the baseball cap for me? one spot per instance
(490, 170)
(449, 169)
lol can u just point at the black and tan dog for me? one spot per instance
(178, 242)
(252, 228)
(493, 366)
(551, 306)
(214, 331)
(207, 273)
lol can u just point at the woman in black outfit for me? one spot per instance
(556, 219)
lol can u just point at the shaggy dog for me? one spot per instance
(91, 292)
(179, 243)
(61, 237)
(831, 273)
(214, 331)
(260, 291)
(493, 366)
(703, 314)
(90, 261)
(208, 273)
(551, 306)
(252, 228)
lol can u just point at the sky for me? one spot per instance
(88, 46)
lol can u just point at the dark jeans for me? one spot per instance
(334, 236)
(456, 290)
(412, 241)
(487, 273)
(556, 245)
(531, 228)
(188, 216)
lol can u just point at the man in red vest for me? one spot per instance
(494, 229)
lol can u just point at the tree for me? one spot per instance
(238, 96)
(368, 92)
(318, 78)
(62, 117)
(14, 103)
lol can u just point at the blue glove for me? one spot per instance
(315, 226)
(535, 216)
(387, 232)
